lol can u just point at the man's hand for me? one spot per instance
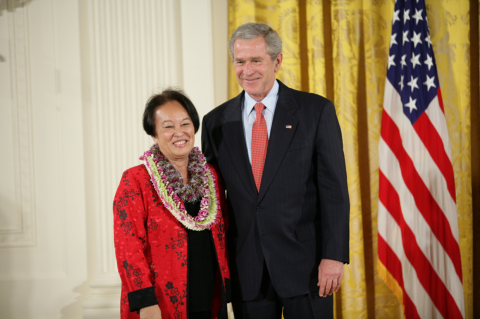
(152, 312)
(329, 276)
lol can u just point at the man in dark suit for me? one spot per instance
(280, 153)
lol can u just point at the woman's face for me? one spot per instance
(175, 131)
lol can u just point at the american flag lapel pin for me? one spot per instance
(288, 126)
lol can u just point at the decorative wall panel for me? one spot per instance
(17, 212)
(42, 189)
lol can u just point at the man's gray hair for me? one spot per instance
(250, 31)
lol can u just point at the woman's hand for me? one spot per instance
(152, 312)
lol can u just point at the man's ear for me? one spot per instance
(278, 62)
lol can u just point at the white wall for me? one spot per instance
(75, 75)
(221, 58)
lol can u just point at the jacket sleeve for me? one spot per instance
(223, 205)
(207, 145)
(223, 202)
(332, 187)
(130, 242)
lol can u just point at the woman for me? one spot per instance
(168, 222)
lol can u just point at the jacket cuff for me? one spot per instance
(142, 298)
(228, 290)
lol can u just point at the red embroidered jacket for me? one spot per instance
(151, 248)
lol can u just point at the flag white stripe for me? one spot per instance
(391, 232)
(426, 240)
(422, 161)
(436, 116)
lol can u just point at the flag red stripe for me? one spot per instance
(440, 101)
(424, 201)
(434, 144)
(427, 276)
(392, 263)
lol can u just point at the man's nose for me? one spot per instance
(248, 68)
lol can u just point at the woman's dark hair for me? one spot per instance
(157, 100)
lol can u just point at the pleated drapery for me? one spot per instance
(339, 49)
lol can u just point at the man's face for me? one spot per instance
(254, 67)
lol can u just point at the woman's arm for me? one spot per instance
(130, 243)
(152, 312)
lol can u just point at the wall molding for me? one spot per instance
(24, 232)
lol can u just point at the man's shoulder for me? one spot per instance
(306, 99)
(217, 112)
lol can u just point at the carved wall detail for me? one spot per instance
(24, 231)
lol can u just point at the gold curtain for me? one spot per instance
(339, 49)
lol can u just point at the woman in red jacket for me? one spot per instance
(170, 222)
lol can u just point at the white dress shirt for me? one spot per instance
(249, 115)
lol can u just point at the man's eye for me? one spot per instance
(185, 124)
(170, 126)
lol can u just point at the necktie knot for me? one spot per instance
(259, 108)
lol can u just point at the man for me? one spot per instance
(280, 153)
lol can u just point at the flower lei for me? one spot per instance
(168, 183)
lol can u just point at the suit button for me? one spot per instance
(259, 209)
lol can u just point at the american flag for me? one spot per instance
(418, 242)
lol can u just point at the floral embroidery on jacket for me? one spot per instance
(223, 268)
(153, 272)
(221, 235)
(127, 267)
(182, 239)
(136, 272)
(143, 241)
(175, 297)
(155, 199)
(152, 226)
(124, 301)
(138, 282)
(183, 257)
(121, 202)
(125, 179)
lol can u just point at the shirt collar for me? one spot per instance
(270, 101)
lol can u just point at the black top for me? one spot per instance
(202, 264)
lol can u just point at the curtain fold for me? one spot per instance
(339, 49)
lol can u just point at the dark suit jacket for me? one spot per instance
(301, 214)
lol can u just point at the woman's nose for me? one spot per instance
(178, 131)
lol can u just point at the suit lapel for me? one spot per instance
(234, 136)
(280, 136)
